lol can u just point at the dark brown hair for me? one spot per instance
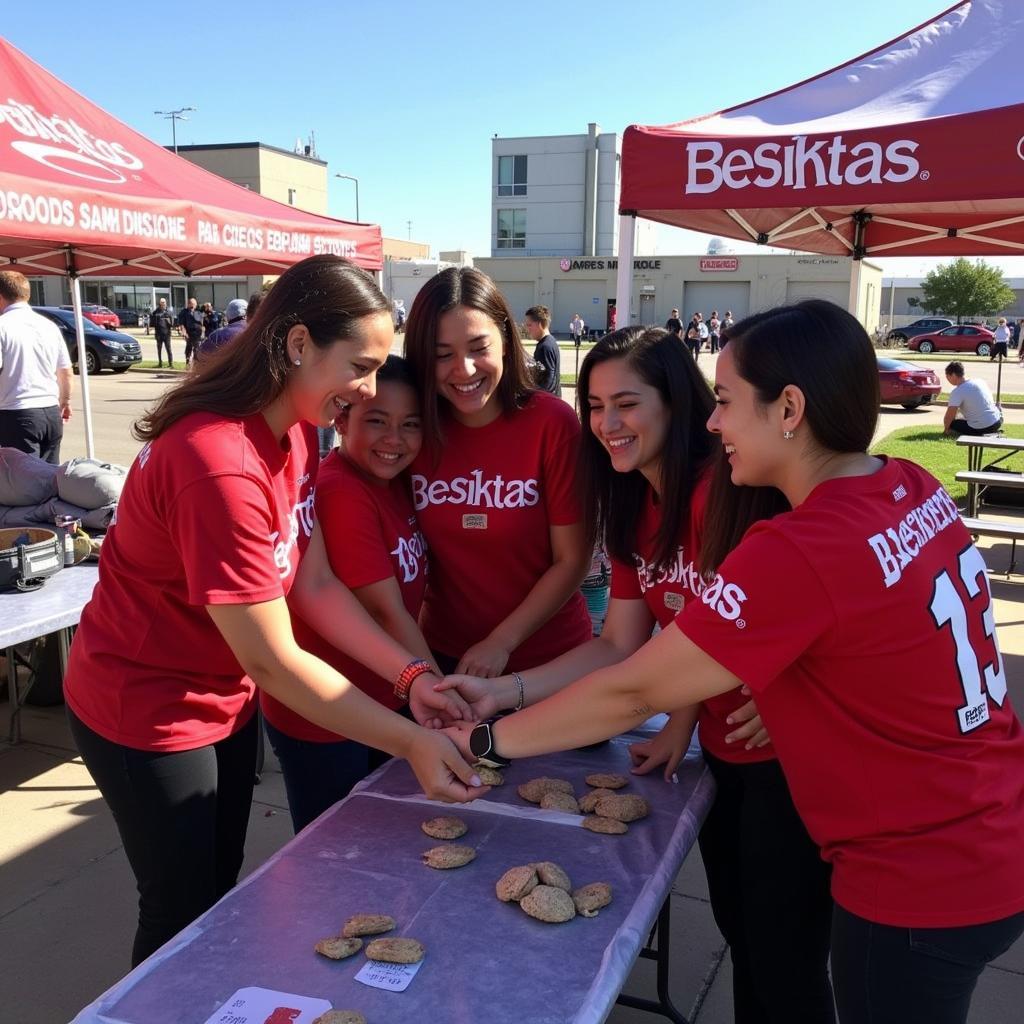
(824, 351)
(461, 286)
(613, 501)
(540, 315)
(328, 295)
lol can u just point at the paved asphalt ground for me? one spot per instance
(67, 900)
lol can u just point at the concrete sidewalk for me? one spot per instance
(68, 902)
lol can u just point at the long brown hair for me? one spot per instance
(328, 295)
(823, 350)
(462, 286)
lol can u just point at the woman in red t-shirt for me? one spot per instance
(374, 546)
(862, 620)
(647, 408)
(494, 487)
(214, 529)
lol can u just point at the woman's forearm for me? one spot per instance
(668, 673)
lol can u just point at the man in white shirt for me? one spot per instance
(974, 400)
(35, 374)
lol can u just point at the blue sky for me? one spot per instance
(407, 95)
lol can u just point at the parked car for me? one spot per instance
(128, 317)
(906, 384)
(99, 315)
(104, 350)
(962, 338)
(926, 325)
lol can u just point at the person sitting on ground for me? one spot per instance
(974, 399)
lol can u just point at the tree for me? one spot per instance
(962, 288)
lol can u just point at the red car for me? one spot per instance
(99, 315)
(961, 338)
(905, 384)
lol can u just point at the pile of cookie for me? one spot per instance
(394, 950)
(603, 808)
(453, 855)
(545, 892)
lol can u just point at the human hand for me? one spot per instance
(459, 735)
(488, 659)
(65, 412)
(441, 770)
(668, 748)
(481, 694)
(432, 707)
(752, 730)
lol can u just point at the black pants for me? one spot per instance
(694, 346)
(770, 897)
(887, 975)
(959, 426)
(182, 817)
(191, 345)
(318, 775)
(36, 431)
(163, 342)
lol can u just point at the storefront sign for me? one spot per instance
(566, 265)
(819, 261)
(714, 263)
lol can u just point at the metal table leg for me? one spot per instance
(663, 1006)
(18, 697)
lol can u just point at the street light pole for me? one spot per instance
(348, 177)
(174, 116)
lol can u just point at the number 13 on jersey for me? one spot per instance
(949, 608)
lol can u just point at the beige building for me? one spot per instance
(742, 284)
(400, 249)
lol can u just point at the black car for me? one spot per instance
(128, 317)
(923, 326)
(104, 350)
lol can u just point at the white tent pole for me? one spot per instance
(83, 369)
(624, 274)
(892, 300)
(854, 304)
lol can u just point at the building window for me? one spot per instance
(291, 197)
(511, 229)
(511, 175)
(37, 298)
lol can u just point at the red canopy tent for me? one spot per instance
(83, 194)
(916, 148)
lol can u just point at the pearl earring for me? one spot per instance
(298, 362)
(788, 435)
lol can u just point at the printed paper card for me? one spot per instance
(264, 1006)
(390, 977)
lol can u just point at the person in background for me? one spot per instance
(674, 325)
(913, 791)
(703, 334)
(494, 487)
(714, 329)
(769, 887)
(238, 314)
(212, 320)
(162, 321)
(374, 546)
(547, 353)
(576, 328)
(1001, 341)
(613, 317)
(190, 324)
(974, 400)
(216, 527)
(35, 374)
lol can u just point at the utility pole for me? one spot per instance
(408, 225)
(174, 116)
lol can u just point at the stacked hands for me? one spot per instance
(455, 703)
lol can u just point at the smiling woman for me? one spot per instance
(215, 529)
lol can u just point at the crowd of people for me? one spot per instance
(825, 621)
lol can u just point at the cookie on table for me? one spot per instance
(607, 826)
(589, 800)
(546, 903)
(396, 950)
(622, 807)
(445, 857)
(445, 828)
(550, 873)
(367, 924)
(338, 947)
(534, 790)
(516, 883)
(607, 780)
(557, 801)
(340, 1017)
(589, 899)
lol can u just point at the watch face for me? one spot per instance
(480, 740)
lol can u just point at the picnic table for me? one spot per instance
(485, 960)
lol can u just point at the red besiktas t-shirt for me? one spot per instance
(863, 622)
(214, 511)
(486, 510)
(371, 534)
(666, 590)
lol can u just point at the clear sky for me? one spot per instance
(406, 95)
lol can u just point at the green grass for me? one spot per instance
(152, 364)
(941, 455)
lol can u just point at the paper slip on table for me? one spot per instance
(54, 608)
(485, 960)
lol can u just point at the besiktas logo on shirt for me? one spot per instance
(409, 554)
(302, 514)
(726, 599)
(651, 574)
(475, 490)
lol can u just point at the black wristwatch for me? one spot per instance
(481, 743)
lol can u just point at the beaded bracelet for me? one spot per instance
(411, 672)
(522, 693)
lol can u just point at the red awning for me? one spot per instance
(916, 148)
(82, 192)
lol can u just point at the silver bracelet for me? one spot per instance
(522, 695)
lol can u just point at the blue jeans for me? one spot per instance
(318, 775)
